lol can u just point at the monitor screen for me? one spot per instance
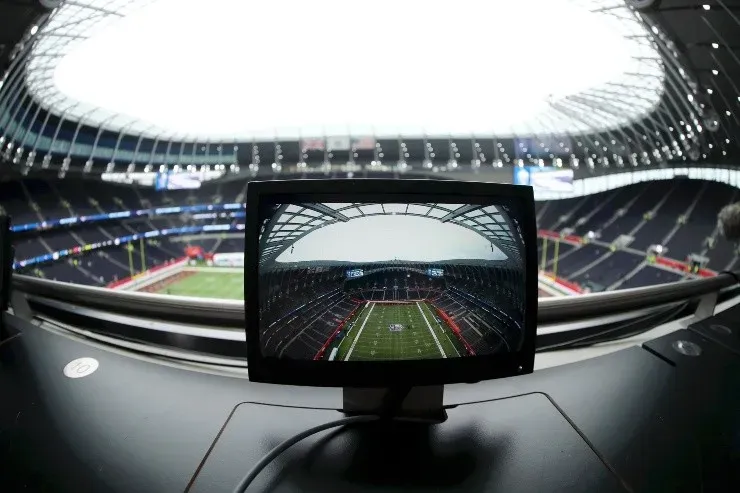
(390, 281)
(544, 179)
(177, 181)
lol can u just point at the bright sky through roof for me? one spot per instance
(237, 69)
(380, 238)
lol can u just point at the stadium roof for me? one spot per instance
(705, 37)
(679, 102)
(217, 71)
(289, 223)
(15, 17)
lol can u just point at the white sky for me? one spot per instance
(379, 238)
(237, 69)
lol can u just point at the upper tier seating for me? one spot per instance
(64, 198)
(678, 214)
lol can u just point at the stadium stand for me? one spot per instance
(614, 267)
(649, 276)
(680, 215)
(31, 201)
(394, 285)
(299, 300)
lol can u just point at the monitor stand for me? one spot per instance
(416, 404)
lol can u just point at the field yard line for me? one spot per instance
(346, 336)
(431, 331)
(448, 336)
(359, 333)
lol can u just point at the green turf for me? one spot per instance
(422, 337)
(224, 285)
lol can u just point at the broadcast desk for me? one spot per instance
(645, 419)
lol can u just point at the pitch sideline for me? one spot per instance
(359, 333)
(431, 331)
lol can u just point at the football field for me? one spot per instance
(208, 283)
(394, 331)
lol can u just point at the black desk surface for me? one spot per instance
(642, 419)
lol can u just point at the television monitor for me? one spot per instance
(385, 282)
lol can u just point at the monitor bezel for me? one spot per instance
(386, 373)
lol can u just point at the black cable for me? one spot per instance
(272, 454)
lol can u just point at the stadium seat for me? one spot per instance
(609, 271)
(650, 276)
(60, 198)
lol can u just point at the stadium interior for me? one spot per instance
(124, 171)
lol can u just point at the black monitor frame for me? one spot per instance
(386, 373)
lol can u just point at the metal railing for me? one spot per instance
(230, 313)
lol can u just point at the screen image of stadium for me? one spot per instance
(368, 281)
